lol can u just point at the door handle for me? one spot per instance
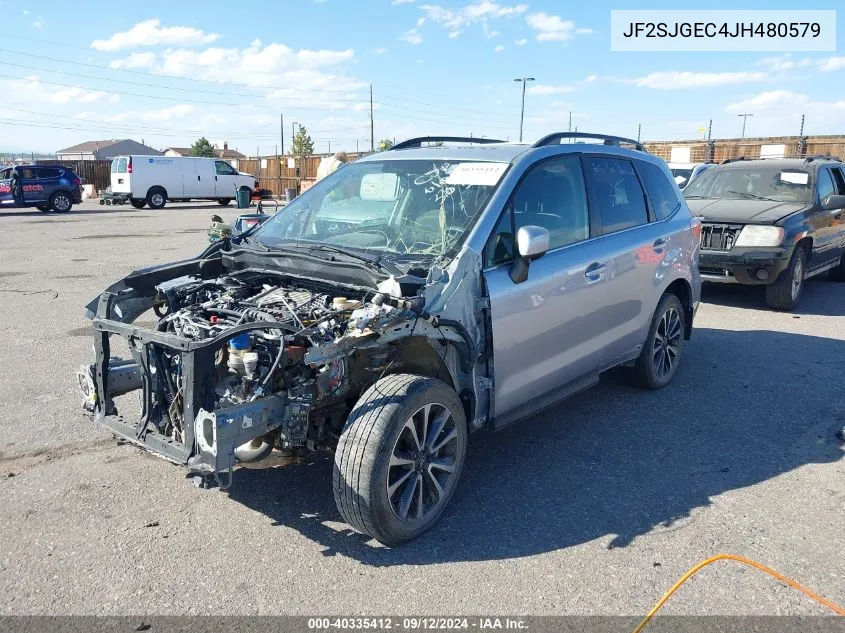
(660, 244)
(199, 177)
(215, 178)
(595, 271)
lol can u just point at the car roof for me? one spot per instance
(499, 152)
(496, 152)
(783, 163)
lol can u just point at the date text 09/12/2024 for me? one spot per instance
(416, 623)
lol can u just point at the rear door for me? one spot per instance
(33, 186)
(226, 179)
(549, 330)
(47, 182)
(838, 174)
(120, 177)
(630, 250)
(6, 197)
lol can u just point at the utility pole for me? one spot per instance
(639, 129)
(802, 140)
(570, 120)
(282, 131)
(710, 152)
(330, 147)
(523, 80)
(372, 132)
(744, 118)
(356, 146)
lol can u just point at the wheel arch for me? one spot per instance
(681, 288)
(154, 189)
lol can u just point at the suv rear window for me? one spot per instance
(661, 192)
(615, 192)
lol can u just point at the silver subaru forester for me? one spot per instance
(403, 302)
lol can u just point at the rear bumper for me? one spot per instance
(743, 266)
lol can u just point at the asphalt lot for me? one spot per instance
(595, 508)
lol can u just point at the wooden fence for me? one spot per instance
(272, 172)
(722, 149)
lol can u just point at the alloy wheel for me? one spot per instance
(667, 343)
(797, 278)
(62, 203)
(422, 464)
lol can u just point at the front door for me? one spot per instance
(226, 178)
(548, 331)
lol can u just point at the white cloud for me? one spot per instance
(32, 90)
(521, 42)
(395, 2)
(420, 21)
(830, 64)
(380, 51)
(680, 80)
(583, 31)
(488, 32)
(544, 89)
(499, 49)
(454, 34)
(456, 20)
(37, 23)
(151, 33)
(779, 109)
(412, 37)
(552, 28)
(783, 62)
(26, 11)
(178, 111)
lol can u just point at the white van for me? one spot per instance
(154, 180)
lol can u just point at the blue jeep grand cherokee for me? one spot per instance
(45, 187)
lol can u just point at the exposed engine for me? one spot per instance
(281, 323)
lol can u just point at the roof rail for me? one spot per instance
(810, 159)
(556, 137)
(418, 141)
(738, 158)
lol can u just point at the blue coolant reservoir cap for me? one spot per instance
(241, 341)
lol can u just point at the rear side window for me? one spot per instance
(839, 178)
(615, 193)
(49, 172)
(119, 165)
(114, 165)
(825, 184)
(661, 192)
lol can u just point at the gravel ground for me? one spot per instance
(594, 508)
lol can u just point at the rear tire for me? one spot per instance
(138, 203)
(61, 202)
(43, 207)
(838, 273)
(399, 457)
(786, 291)
(223, 202)
(661, 353)
(156, 198)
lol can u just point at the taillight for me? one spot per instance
(696, 228)
(76, 181)
(129, 166)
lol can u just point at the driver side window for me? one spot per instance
(551, 195)
(825, 184)
(224, 169)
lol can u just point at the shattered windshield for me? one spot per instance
(393, 207)
(749, 183)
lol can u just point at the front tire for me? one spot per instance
(224, 202)
(43, 207)
(785, 292)
(399, 457)
(61, 202)
(661, 354)
(138, 203)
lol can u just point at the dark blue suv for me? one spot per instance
(45, 187)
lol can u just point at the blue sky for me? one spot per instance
(167, 72)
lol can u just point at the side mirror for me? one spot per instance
(833, 202)
(532, 242)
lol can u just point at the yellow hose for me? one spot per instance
(746, 561)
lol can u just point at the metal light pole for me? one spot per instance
(744, 118)
(523, 81)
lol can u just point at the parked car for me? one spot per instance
(45, 187)
(153, 180)
(683, 173)
(504, 278)
(771, 222)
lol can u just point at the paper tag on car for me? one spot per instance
(485, 174)
(795, 177)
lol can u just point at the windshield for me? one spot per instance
(392, 207)
(752, 182)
